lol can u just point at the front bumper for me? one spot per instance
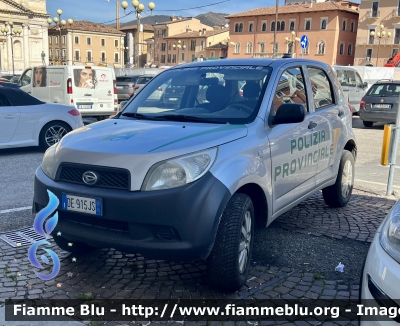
(378, 116)
(380, 280)
(174, 224)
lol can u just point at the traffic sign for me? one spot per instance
(304, 41)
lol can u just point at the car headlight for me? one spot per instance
(390, 236)
(48, 163)
(179, 171)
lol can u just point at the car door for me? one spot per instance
(329, 116)
(293, 170)
(9, 119)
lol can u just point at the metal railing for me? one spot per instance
(373, 14)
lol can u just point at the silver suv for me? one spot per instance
(190, 179)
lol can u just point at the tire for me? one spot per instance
(338, 195)
(52, 133)
(228, 266)
(77, 247)
(368, 124)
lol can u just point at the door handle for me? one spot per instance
(9, 116)
(312, 125)
(87, 94)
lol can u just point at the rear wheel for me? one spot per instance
(230, 258)
(338, 195)
(52, 133)
(368, 124)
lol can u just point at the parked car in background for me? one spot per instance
(27, 121)
(380, 103)
(142, 80)
(125, 85)
(352, 84)
(8, 84)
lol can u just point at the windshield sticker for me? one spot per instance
(311, 150)
(224, 128)
(122, 135)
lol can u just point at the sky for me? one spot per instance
(102, 11)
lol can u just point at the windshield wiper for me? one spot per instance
(141, 116)
(188, 118)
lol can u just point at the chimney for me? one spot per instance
(173, 18)
(204, 31)
(199, 32)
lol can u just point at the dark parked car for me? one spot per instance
(380, 103)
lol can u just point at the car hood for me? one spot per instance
(136, 145)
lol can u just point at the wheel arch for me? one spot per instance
(257, 195)
(52, 121)
(352, 148)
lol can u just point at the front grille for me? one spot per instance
(107, 177)
(96, 222)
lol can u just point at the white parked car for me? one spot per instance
(27, 121)
(380, 282)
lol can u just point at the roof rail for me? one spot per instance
(380, 80)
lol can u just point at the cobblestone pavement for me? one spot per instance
(112, 274)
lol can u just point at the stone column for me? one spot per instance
(9, 55)
(26, 47)
(45, 43)
(69, 48)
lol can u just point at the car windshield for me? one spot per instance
(216, 94)
(384, 90)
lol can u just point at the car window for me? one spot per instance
(290, 89)
(384, 90)
(26, 78)
(4, 101)
(143, 80)
(359, 81)
(351, 78)
(20, 98)
(202, 93)
(321, 87)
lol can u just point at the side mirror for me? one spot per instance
(365, 85)
(290, 113)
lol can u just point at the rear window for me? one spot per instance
(20, 98)
(144, 80)
(384, 90)
(127, 79)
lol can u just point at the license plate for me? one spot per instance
(173, 99)
(84, 106)
(381, 106)
(81, 204)
(120, 87)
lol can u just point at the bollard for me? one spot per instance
(387, 131)
(393, 153)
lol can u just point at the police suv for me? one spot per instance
(236, 143)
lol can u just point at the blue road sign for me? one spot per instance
(304, 41)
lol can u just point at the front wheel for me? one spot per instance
(52, 133)
(230, 258)
(338, 195)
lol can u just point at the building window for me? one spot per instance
(158, 34)
(237, 47)
(50, 40)
(273, 26)
(212, 54)
(103, 42)
(263, 27)
(369, 54)
(352, 27)
(201, 46)
(371, 38)
(375, 9)
(89, 56)
(169, 45)
(251, 27)
(174, 58)
(64, 39)
(349, 49)
(183, 56)
(278, 26)
(103, 57)
(76, 39)
(262, 47)
(116, 57)
(163, 58)
(164, 34)
(321, 47)
(163, 47)
(323, 24)
(77, 55)
(344, 25)
(237, 28)
(64, 53)
(51, 52)
(308, 25)
(397, 36)
(193, 45)
(341, 48)
(282, 26)
(249, 48)
(88, 41)
(56, 39)
(291, 26)
(116, 43)
(58, 54)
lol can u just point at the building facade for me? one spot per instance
(163, 43)
(86, 43)
(371, 49)
(331, 29)
(31, 17)
(136, 43)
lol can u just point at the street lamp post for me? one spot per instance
(123, 49)
(138, 9)
(60, 24)
(381, 35)
(291, 41)
(11, 32)
(276, 25)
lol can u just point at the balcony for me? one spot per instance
(395, 13)
(89, 59)
(373, 14)
(375, 41)
(78, 59)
